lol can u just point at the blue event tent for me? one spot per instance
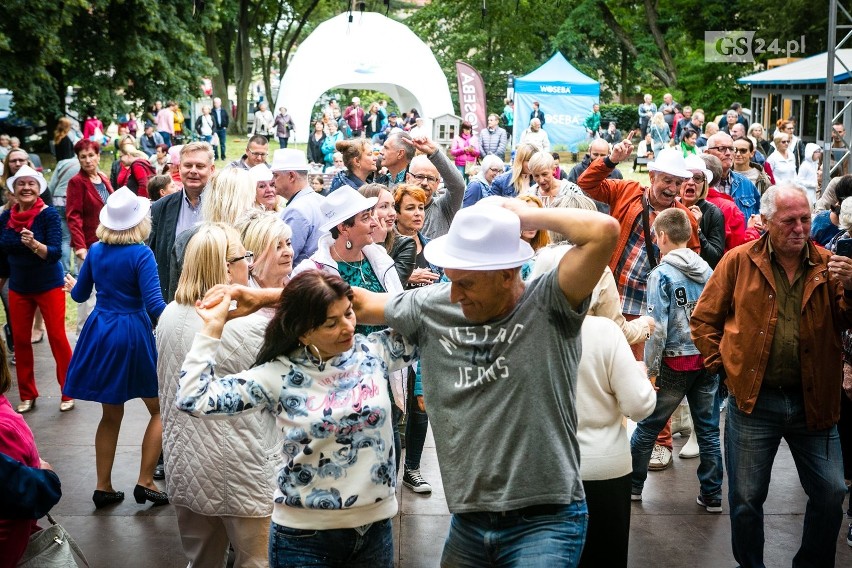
(564, 94)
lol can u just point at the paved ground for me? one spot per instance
(668, 528)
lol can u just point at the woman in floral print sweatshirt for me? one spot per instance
(328, 388)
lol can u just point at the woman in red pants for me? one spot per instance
(30, 251)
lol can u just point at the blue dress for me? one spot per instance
(115, 359)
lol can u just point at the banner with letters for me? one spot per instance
(565, 96)
(471, 96)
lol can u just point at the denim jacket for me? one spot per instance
(745, 195)
(674, 287)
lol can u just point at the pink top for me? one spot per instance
(465, 149)
(16, 441)
(166, 121)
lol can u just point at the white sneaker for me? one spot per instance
(661, 458)
(690, 448)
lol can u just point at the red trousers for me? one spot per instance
(665, 436)
(21, 312)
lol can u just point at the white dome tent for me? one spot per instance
(342, 55)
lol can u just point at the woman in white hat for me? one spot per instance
(30, 251)
(115, 357)
(349, 250)
(711, 222)
(267, 199)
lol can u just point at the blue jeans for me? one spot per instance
(66, 240)
(534, 537)
(751, 442)
(167, 138)
(219, 151)
(699, 387)
(282, 142)
(206, 138)
(343, 548)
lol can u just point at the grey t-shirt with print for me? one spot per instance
(500, 395)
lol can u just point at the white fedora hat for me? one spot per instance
(670, 161)
(481, 237)
(27, 172)
(124, 210)
(343, 203)
(259, 173)
(693, 162)
(289, 159)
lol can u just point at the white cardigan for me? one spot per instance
(215, 467)
(611, 384)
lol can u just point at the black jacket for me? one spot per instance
(224, 121)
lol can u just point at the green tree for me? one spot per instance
(511, 37)
(116, 54)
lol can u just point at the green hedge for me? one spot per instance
(625, 116)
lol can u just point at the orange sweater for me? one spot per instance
(624, 198)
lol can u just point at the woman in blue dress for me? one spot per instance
(115, 359)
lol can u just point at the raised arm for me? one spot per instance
(594, 236)
(369, 306)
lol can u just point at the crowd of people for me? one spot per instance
(278, 330)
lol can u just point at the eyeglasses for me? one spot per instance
(698, 178)
(495, 170)
(722, 149)
(421, 178)
(741, 151)
(783, 141)
(248, 256)
(259, 154)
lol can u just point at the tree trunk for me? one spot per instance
(669, 73)
(242, 68)
(220, 78)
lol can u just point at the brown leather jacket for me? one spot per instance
(734, 321)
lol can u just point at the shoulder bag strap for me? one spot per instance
(71, 542)
(646, 227)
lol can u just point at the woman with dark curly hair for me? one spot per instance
(328, 388)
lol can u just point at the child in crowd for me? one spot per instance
(675, 366)
(161, 186)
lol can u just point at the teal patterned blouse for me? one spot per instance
(361, 274)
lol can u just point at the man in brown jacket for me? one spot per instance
(770, 320)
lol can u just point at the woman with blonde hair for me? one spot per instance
(518, 179)
(548, 188)
(63, 141)
(136, 170)
(360, 162)
(269, 238)
(660, 133)
(266, 198)
(782, 161)
(537, 238)
(115, 357)
(231, 194)
(235, 460)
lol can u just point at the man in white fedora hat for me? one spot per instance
(480, 339)
(636, 253)
(290, 176)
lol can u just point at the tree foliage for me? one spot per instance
(114, 53)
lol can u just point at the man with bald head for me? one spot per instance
(737, 186)
(597, 149)
(426, 171)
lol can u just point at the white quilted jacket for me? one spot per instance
(215, 467)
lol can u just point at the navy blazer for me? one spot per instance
(219, 124)
(164, 218)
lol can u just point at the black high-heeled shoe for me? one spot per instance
(104, 498)
(142, 494)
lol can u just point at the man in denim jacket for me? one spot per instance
(739, 187)
(674, 363)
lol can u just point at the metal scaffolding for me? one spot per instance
(839, 34)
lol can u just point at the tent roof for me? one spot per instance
(557, 70)
(805, 71)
